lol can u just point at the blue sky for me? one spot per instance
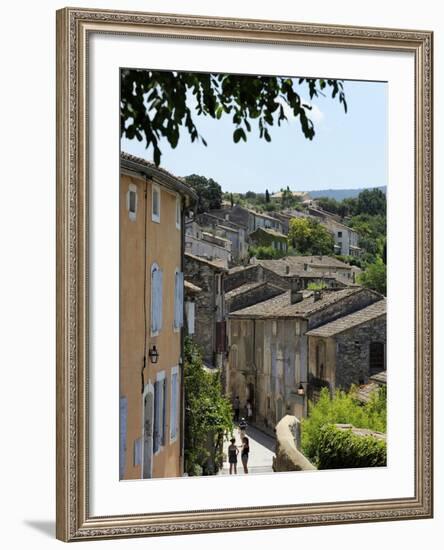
(349, 149)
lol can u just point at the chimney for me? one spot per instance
(287, 269)
(317, 295)
(295, 296)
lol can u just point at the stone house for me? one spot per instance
(268, 347)
(209, 320)
(346, 238)
(247, 218)
(349, 350)
(328, 269)
(235, 233)
(152, 205)
(271, 238)
(205, 244)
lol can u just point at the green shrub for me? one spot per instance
(265, 252)
(343, 449)
(343, 408)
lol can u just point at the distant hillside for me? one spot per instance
(340, 194)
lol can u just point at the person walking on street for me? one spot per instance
(242, 427)
(236, 408)
(249, 411)
(245, 453)
(233, 451)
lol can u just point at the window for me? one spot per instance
(377, 359)
(178, 300)
(155, 204)
(191, 315)
(339, 234)
(156, 299)
(178, 212)
(159, 412)
(174, 404)
(274, 328)
(131, 201)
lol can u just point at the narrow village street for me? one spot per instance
(262, 448)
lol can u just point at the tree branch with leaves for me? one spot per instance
(155, 105)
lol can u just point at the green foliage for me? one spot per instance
(342, 408)
(372, 202)
(265, 252)
(208, 191)
(155, 104)
(316, 286)
(343, 449)
(375, 277)
(208, 415)
(308, 236)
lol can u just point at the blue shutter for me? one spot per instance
(160, 299)
(164, 400)
(178, 299)
(156, 299)
(153, 299)
(173, 419)
(156, 435)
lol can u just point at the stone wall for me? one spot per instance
(235, 279)
(346, 306)
(204, 277)
(252, 296)
(353, 352)
(288, 456)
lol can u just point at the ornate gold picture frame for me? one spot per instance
(74, 518)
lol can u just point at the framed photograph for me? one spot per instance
(244, 274)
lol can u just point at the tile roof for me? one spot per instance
(369, 313)
(190, 287)
(247, 287)
(280, 306)
(296, 264)
(139, 164)
(215, 264)
(270, 231)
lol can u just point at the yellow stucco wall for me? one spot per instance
(140, 247)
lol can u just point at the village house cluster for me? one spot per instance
(277, 330)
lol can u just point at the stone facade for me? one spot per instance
(210, 306)
(269, 354)
(349, 350)
(250, 294)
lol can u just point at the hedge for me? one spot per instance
(344, 449)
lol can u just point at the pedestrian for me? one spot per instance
(242, 427)
(245, 453)
(233, 451)
(236, 407)
(249, 411)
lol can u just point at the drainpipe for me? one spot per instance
(182, 359)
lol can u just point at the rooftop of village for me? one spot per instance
(309, 302)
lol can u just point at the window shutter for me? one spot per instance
(164, 400)
(154, 299)
(156, 437)
(173, 419)
(221, 336)
(179, 300)
(160, 299)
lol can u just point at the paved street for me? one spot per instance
(261, 453)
